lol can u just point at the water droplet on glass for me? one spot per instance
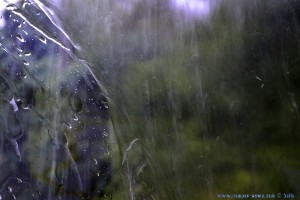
(105, 133)
(25, 107)
(25, 3)
(75, 118)
(19, 49)
(27, 54)
(258, 78)
(9, 189)
(19, 180)
(25, 62)
(95, 161)
(20, 38)
(42, 39)
(105, 103)
(11, 7)
(67, 124)
(131, 144)
(25, 32)
(76, 103)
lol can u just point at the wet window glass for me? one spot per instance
(149, 99)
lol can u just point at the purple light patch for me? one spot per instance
(199, 8)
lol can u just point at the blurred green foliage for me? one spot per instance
(200, 106)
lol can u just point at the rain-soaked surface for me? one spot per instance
(149, 99)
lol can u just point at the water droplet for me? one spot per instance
(25, 107)
(42, 39)
(105, 103)
(131, 143)
(9, 189)
(258, 78)
(25, 4)
(20, 38)
(27, 54)
(95, 161)
(25, 62)
(19, 102)
(67, 124)
(76, 103)
(11, 7)
(105, 133)
(25, 32)
(19, 180)
(75, 118)
(19, 49)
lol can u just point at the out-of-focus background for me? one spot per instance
(204, 94)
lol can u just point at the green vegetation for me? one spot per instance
(199, 107)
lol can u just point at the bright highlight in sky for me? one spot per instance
(194, 7)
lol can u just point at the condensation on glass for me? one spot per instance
(53, 112)
(149, 99)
